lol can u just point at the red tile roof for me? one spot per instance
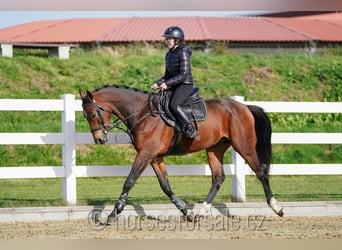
(251, 29)
(151, 29)
(335, 18)
(315, 29)
(323, 27)
(326, 27)
(59, 31)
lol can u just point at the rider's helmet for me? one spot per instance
(174, 32)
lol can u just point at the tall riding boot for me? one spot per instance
(187, 127)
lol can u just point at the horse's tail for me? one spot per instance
(263, 131)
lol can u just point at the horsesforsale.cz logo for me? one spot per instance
(98, 220)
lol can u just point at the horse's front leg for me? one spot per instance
(215, 158)
(159, 168)
(138, 167)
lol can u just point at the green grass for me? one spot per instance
(279, 77)
(106, 190)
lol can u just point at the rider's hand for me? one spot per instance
(163, 86)
(155, 86)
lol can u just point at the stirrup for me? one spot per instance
(190, 132)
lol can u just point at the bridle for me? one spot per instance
(99, 110)
(117, 122)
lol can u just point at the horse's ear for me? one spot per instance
(90, 96)
(86, 94)
(82, 93)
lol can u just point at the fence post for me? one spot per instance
(69, 149)
(238, 178)
(7, 50)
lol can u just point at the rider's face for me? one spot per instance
(170, 42)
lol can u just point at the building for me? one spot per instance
(258, 33)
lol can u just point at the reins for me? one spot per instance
(118, 122)
(153, 112)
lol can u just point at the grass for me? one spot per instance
(106, 190)
(279, 77)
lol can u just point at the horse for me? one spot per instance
(246, 128)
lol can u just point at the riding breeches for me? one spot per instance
(179, 95)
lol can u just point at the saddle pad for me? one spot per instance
(194, 108)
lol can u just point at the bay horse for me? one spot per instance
(246, 128)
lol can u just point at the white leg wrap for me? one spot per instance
(205, 209)
(275, 206)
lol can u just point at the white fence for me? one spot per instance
(69, 171)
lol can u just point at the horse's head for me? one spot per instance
(97, 116)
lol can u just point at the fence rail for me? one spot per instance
(68, 138)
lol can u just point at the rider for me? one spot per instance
(177, 77)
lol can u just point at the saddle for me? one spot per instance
(194, 107)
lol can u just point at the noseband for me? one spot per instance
(99, 111)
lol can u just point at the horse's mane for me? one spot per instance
(120, 87)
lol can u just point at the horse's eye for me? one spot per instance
(92, 116)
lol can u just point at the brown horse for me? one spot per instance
(229, 123)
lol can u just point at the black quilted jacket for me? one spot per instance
(177, 70)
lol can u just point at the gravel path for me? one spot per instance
(176, 228)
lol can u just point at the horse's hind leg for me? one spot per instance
(159, 168)
(271, 201)
(262, 174)
(215, 158)
(253, 142)
(261, 171)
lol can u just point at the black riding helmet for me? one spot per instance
(174, 32)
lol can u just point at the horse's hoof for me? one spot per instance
(276, 207)
(111, 220)
(190, 216)
(281, 212)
